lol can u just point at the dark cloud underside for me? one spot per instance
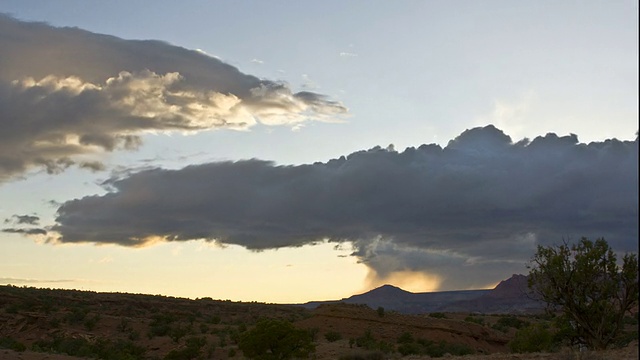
(482, 201)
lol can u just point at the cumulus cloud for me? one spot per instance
(471, 211)
(29, 223)
(66, 92)
(94, 166)
(23, 231)
(23, 219)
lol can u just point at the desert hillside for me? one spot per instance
(38, 324)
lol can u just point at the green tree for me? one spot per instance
(273, 339)
(585, 283)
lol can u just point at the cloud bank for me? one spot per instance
(472, 210)
(66, 92)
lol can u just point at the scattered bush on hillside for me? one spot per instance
(54, 323)
(276, 339)
(380, 311)
(372, 355)
(332, 336)
(177, 332)
(204, 328)
(100, 349)
(631, 320)
(11, 344)
(215, 319)
(405, 338)
(438, 315)
(193, 349)
(313, 332)
(222, 340)
(532, 338)
(76, 316)
(124, 325)
(475, 320)
(160, 325)
(366, 341)
(410, 346)
(504, 323)
(90, 323)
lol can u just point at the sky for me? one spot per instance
(295, 151)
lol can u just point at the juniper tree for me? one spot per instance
(585, 283)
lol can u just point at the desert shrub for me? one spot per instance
(276, 339)
(76, 316)
(211, 350)
(532, 338)
(431, 348)
(12, 309)
(54, 323)
(69, 346)
(91, 322)
(386, 347)
(506, 322)
(215, 319)
(631, 320)
(626, 337)
(178, 332)
(204, 328)
(11, 344)
(405, 338)
(457, 349)
(192, 350)
(380, 311)
(441, 348)
(512, 321)
(234, 335)
(366, 341)
(133, 335)
(332, 336)
(119, 350)
(438, 315)
(475, 320)
(372, 355)
(101, 349)
(160, 325)
(231, 353)
(409, 348)
(313, 332)
(222, 340)
(242, 327)
(123, 325)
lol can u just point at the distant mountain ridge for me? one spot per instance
(510, 296)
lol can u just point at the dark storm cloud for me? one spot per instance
(65, 92)
(482, 202)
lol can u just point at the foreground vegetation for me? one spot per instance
(125, 326)
(591, 293)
